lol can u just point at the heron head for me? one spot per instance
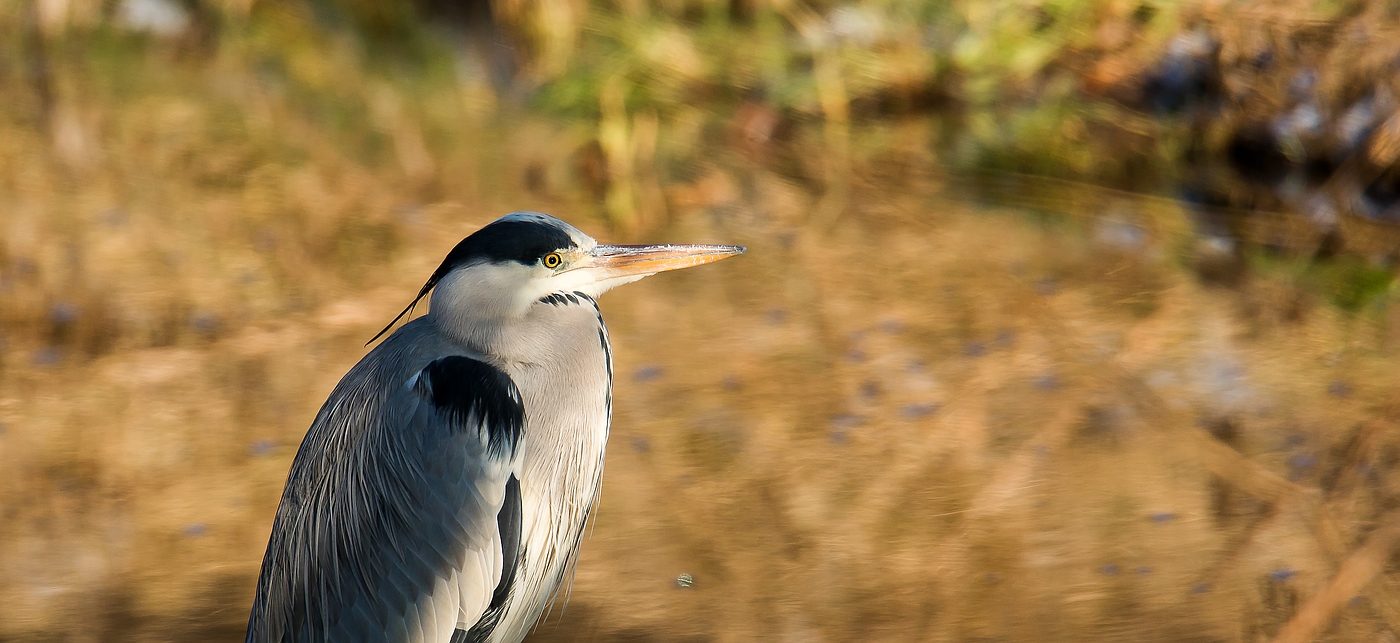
(498, 272)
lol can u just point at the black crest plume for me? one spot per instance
(521, 240)
(427, 287)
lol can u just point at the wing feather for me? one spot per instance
(389, 525)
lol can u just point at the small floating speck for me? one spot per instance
(1119, 234)
(916, 411)
(846, 421)
(1161, 378)
(641, 444)
(1281, 575)
(1109, 570)
(1005, 338)
(410, 213)
(113, 217)
(1200, 588)
(47, 356)
(731, 383)
(195, 530)
(777, 316)
(974, 349)
(855, 356)
(1299, 465)
(204, 323)
(63, 313)
(1047, 287)
(1162, 517)
(685, 581)
(1143, 570)
(1047, 383)
(1339, 389)
(647, 373)
(261, 448)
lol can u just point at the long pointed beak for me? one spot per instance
(623, 261)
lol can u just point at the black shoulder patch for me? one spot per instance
(462, 388)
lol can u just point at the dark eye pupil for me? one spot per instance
(551, 260)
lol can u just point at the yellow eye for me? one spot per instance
(552, 260)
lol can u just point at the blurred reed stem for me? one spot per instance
(615, 139)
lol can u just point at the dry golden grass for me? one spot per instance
(917, 416)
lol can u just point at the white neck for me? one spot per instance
(489, 306)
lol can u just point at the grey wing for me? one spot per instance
(390, 527)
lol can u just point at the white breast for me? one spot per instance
(564, 373)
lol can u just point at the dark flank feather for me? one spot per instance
(509, 522)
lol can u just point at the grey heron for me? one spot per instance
(442, 490)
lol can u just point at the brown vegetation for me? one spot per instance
(927, 405)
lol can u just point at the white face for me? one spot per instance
(506, 290)
(496, 292)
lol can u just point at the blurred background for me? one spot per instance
(1062, 320)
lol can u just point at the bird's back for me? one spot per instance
(389, 498)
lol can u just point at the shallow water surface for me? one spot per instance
(922, 407)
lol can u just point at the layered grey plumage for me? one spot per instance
(442, 490)
(386, 500)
